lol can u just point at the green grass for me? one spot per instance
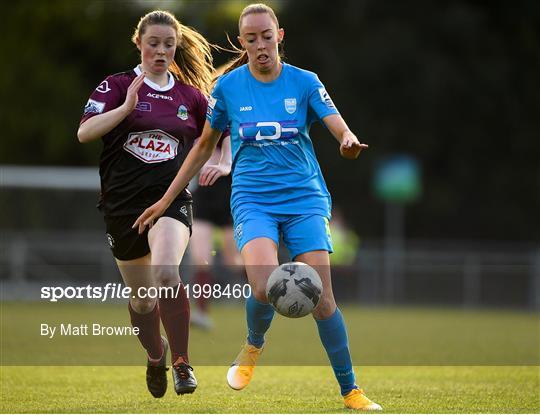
(413, 360)
(377, 336)
(274, 390)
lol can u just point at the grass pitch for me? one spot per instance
(113, 389)
(410, 361)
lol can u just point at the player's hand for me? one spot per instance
(210, 173)
(350, 146)
(150, 215)
(131, 96)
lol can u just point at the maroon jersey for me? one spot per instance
(143, 153)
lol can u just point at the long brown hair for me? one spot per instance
(241, 55)
(193, 63)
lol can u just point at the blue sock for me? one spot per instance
(333, 336)
(259, 316)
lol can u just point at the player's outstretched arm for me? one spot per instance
(350, 147)
(199, 154)
(212, 171)
(99, 125)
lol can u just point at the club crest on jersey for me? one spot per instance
(182, 112)
(290, 105)
(103, 87)
(153, 146)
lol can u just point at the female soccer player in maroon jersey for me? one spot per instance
(148, 118)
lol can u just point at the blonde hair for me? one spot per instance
(193, 62)
(241, 55)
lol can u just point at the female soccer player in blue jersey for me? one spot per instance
(278, 188)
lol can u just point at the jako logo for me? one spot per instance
(268, 130)
(248, 108)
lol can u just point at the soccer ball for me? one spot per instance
(294, 289)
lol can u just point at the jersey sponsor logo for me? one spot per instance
(290, 105)
(325, 97)
(153, 146)
(103, 87)
(143, 106)
(182, 112)
(267, 130)
(94, 107)
(159, 96)
(246, 108)
(211, 104)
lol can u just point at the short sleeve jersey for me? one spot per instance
(274, 165)
(142, 155)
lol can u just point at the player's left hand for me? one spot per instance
(210, 173)
(151, 214)
(350, 146)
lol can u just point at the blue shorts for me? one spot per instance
(300, 233)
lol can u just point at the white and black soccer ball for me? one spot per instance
(294, 289)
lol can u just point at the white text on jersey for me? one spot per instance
(159, 96)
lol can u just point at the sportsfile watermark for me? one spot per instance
(78, 315)
(117, 291)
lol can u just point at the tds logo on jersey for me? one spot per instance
(267, 130)
(152, 146)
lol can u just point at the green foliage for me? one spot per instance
(454, 84)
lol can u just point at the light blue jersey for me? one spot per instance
(275, 169)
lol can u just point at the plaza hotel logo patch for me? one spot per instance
(153, 146)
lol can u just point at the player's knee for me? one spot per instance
(325, 308)
(166, 276)
(143, 305)
(259, 292)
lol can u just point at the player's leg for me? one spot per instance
(231, 256)
(257, 238)
(260, 259)
(168, 240)
(308, 240)
(132, 255)
(200, 249)
(144, 313)
(201, 243)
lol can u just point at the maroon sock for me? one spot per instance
(203, 277)
(175, 317)
(149, 335)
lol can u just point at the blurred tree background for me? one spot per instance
(455, 84)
